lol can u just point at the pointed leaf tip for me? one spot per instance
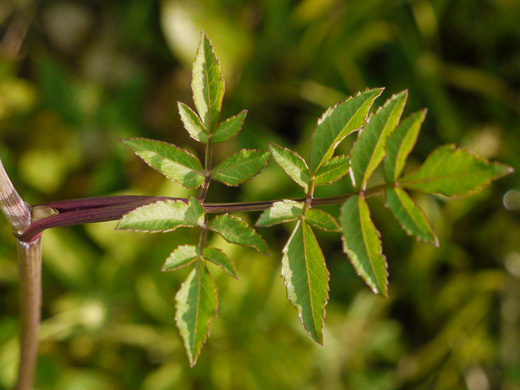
(292, 164)
(454, 172)
(361, 242)
(196, 303)
(306, 279)
(207, 84)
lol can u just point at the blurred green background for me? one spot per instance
(75, 76)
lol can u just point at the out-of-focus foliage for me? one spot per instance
(91, 72)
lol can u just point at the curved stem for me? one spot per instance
(18, 213)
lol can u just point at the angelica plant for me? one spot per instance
(382, 138)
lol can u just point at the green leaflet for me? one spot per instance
(361, 242)
(171, 161)
(338, 122)
(207, 84)
(192, 123)
(181, 257)
(218, 257)
(306, 278)
(240, 167)
(292, 164)
(163, 216)
(236, 231)
(369, 149)
(197, 302)
(454, 172)
(322, 220)
(279, 212)
(400, 144)
(409, 215)
(332, 170)
(229, 128)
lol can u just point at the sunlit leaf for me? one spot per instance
(207, 84)
(322, 220)
(218, 257)
(181, 257)
(453, 172)
(400, 144)
(236, 231)
(409, 215)
(338, 122)
(173, 162)
(192, 123)
(279, 212)
(241, 166)
(228, 129)
(163, 216)
(361, 242)
(292, 164)
(306, 278)
(332, 170)
(197, 302)
(369, 149)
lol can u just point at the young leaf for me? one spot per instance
(279, 212)
(181, 257)
(362, 244)
(409, 215)
(306, 278)
(197, 302)
(192, 123)
(322, 220)
(171, 161)
(369, 149)
(236, 231)
(338, 122)
(228, 129)
(240, 167)
(454, 172)
(332, 170)
(218, 257)
(207, 84)
(163, 216)
(400, 144)
(292, 164)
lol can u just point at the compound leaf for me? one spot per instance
(338, 122)
(332, 170)
(240, 167)
(218, 257)
(306, 278)
(279, 212)
(192, 123)
(322, 220)
(369, 149)
(207, 84)
(409, 215)
(362, 244)
(229, 128)
(163, 216)
(400, 144)
(236, 231)
(292, 164)
(197, 302)
(181, 257)
(454, 172)
(171, 161)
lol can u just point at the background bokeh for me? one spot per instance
(76, 76)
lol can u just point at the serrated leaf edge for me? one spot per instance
(306, 187)
(155, 169)
(249, 178)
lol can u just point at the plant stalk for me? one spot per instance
(19, 216)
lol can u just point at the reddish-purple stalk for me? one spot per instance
(112, 208)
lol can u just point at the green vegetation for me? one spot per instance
(108, 313)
